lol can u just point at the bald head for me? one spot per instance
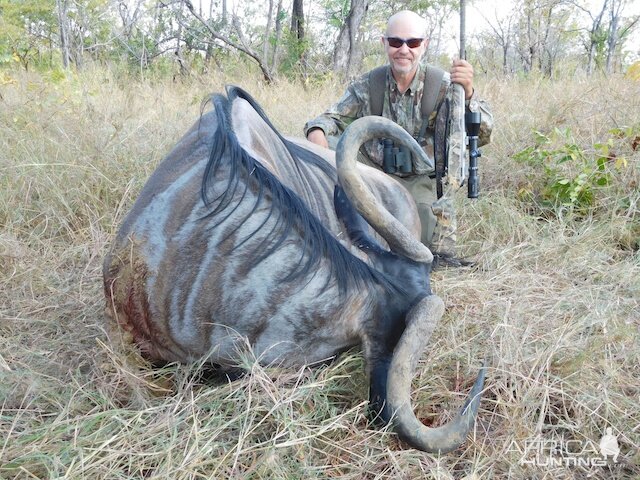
(408, 23)
(404, 59)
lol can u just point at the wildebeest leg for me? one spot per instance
(383, 336)
(381, 344)
(378, 390)
(412, 280)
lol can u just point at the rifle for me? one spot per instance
(472, 122)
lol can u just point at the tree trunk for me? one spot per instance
(267, 32)
(594, 37)
(297, 20)
(297, 30)
(178, 51)
(531, 49)
(547, 68)
(224, 12)
(209, 51)
(612, 37)
(347, 55)
(63, 22)
(505, 58)
(278, 35)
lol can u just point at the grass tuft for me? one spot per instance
(553, 304)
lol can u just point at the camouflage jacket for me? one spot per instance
(402, 108)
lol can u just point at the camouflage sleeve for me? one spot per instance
(353, 104)
(476, 104)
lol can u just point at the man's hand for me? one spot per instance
(318, 137)
(462, 73)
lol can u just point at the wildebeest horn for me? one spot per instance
(394, 232)
(421, 321)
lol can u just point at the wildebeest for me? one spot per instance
(241, 236)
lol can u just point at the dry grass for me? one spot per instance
(554, 305)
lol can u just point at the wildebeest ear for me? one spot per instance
(257, 138)
(357, 227)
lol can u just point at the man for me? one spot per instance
(405, 43)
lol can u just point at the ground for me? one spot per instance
(552, 305)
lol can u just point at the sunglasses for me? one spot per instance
(396, 42)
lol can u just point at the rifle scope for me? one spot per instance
(472, 124)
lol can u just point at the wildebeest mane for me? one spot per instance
(290, 209)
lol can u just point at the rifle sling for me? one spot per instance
(441, 145)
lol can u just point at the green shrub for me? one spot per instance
(566, 176)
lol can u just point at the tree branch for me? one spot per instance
(244, 49)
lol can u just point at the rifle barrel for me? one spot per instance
(463, 53)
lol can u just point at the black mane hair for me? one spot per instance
(289, 209)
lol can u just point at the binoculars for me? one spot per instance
(395, 159)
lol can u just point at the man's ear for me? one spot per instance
(426, 43)
(382, 40)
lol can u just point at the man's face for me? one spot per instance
(403, 59)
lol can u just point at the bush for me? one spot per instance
(568, 177)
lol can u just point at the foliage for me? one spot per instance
(566, 175)
(542, 37)
(27, 28)
(295, 53)
(633, 72)
(337, 11)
